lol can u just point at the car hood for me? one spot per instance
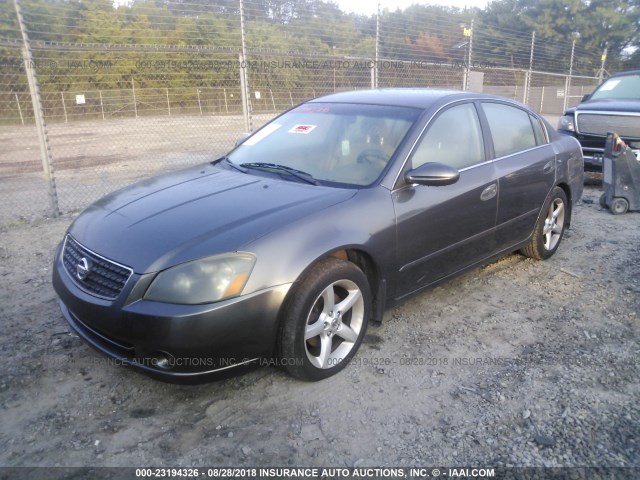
(610, 105)
(194, 213)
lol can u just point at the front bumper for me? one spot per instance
(593, 149)
(178, 343)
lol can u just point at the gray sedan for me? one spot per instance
(284, 250)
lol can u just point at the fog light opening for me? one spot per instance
(162, 360)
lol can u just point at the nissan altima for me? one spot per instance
(288, 246)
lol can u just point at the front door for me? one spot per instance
(441, 230)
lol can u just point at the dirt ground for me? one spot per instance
(518, 363)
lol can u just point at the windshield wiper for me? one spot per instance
(304, 176)
(227, 161)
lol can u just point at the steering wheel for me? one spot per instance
(373, 156)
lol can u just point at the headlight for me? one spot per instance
(566, 123)
(202, 281)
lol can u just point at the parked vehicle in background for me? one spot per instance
(613, 107)
(288, 246)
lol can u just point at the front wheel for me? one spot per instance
(325, 320)
(549, 228)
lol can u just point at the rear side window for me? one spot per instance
(511, 128)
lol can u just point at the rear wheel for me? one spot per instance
(325, 320)
(619, 206)
(550, 227)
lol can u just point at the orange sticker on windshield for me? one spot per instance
(302, 129)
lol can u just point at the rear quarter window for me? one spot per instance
(538, 131)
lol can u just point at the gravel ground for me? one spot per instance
(518, 363)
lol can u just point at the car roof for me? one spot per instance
(403, 97)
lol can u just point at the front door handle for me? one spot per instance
(489, 192)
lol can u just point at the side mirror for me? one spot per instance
(586, 97)
(242, 138)
(433, 174)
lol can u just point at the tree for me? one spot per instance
(592, 24)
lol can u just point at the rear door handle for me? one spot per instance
(489, 192)
(548, 168)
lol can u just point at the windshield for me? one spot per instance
(627, 86)
(330, 142)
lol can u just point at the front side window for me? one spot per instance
(453, 138)
(511, 128)
(333, 143)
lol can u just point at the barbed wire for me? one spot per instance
(392, 35)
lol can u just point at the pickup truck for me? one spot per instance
(613, 107)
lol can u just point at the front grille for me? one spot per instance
(600, 124)
(103, 278)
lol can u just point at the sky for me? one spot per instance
(369, 7)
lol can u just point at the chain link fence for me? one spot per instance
(113, 111)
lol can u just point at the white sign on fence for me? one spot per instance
(560, 93)
(80, 99)
(257, 95)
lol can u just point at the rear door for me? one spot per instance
(443, 229)
(525, 168)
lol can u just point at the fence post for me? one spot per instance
(38, 113)
(541, 100)
(373, 76)
(603, 59)
(199, 104)
(244, 95)
(19, 109)
(226, 104)
(527, 84)
(64, 108)
(376, 72)
(333, 49)
(168, 104)
(101, 104)
(133, 89)
(567, 84)
(244, 79)
(272, 100)
(470, 52)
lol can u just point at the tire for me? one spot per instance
(549, 228)
(317, 337)
(619, 206)
(603, 200)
